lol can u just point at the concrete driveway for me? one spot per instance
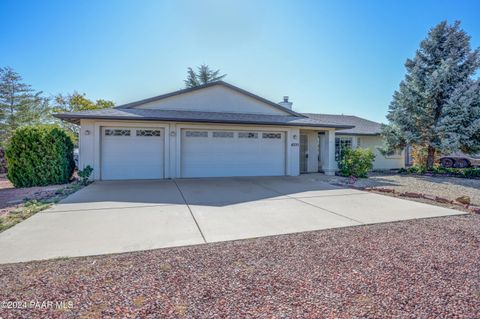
(121, 216)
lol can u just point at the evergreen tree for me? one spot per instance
(437, 104)
(19, 104)
(203, 76)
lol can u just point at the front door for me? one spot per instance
(303, 153)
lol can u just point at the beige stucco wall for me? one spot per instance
(214, 99)
(381, 162)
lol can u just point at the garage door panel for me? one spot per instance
(231, 153)
(138, 154)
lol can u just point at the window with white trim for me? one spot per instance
(148, 132)
(247, 135)
(196, 134)
(117, 132)
(272, 135)
(341, 143)
(223, 134)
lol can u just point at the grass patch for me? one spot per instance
(31, 207)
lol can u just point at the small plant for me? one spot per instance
(356, 162)
(84, 174)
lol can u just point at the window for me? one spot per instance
(247, 135)
(223, 134)
(117, 132)
(272, 135)
(196, 134)
(341, 143)
(395, 153)
(148, 133)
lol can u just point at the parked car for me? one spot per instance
(460, 160)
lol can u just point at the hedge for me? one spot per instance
(39, 155)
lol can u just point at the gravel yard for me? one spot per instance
(416, 269)
(447, 187)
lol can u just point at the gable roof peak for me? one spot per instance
(207, 85)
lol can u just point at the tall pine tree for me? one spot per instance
(203, 76)
(437, 104)
(19, 103)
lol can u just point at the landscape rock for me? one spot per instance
(384, 190)
(429, 197)
(475, 209)
(464, 200)
(412, 194)
(442, 200)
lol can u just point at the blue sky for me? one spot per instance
(328, 56)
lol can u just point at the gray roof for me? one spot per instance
(361, 126)
(222, 83)
(202, 117)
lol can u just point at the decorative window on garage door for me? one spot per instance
(117, 132)
(148, 133)
(223, 134)
(247, 135)
(196, 134)
(272, 135)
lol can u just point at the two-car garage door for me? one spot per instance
(211, 153)
(139, 153)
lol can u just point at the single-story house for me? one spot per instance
(215, 130)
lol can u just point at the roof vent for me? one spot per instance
(286, 103)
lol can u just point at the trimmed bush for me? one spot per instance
(39, 155)
(356, 162)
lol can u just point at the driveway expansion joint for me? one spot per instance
(190, 210)
(299, 199)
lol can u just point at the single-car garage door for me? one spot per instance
(212, 153)
(132, 153)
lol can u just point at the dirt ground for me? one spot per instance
(11, 197)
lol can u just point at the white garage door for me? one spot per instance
(132, 153)
(209, 153)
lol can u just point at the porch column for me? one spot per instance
(330, 165)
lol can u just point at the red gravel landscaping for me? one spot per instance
(415, 269)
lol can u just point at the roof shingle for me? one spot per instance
(361, 126)
(195, 116)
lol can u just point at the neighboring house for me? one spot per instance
(212, 130)
(365, 134)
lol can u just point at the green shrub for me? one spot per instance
(84, 174)
(39, 155)
(356, 162)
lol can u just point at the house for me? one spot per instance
(212, 130)
(365, 134)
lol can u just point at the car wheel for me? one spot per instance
(447, 162)
(461, 163)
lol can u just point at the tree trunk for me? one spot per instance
(430, 157)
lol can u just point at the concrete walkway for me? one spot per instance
(122, 216)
